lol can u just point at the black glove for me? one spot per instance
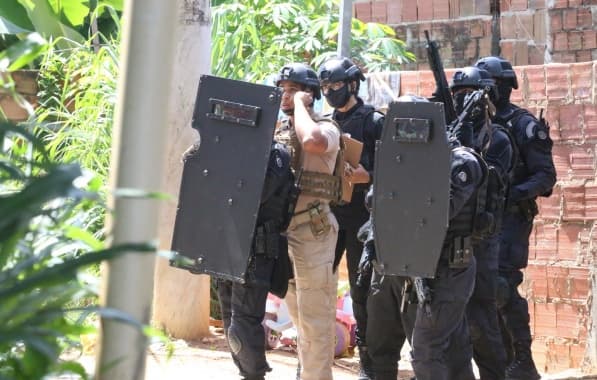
(369, 199)
(464, 133)
(366, 264)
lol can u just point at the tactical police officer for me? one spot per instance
(243, 305)
(482, 317)
(313, 229)
(534, 175)
(340, 81)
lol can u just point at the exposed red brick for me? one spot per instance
(409, 82)
(574, 3)
(560, 41)
(574, 200)
(557, 81)
(584, 18)
(561, 159)
(507, 48)
(454, 9)
(426, 83)
(557, 280)
(363, 11)
(564, 57)
(441, 10)
(518, 5)
(552, 115)
(477, 29)
(379, 11)
(395, 12)
(545, 319)
(409, 11)
(571, 121)
(582, 83)
(550, 207)
(558, 356)
(504, 5)
(569, 19)
(583, 56)
(535, 281)
(580, 283)
(424, 10)
(569, 320)
(590, 119)
(589, 39)
(524, 26)
(568, 242)
(582, 162)
(555, 20)
(575, 40)
(577, 354)
(547, 242)
(535, 76)
(591, 201)
(508, 27)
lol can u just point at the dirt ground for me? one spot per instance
(210, 359)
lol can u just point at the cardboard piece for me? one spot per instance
(352, 155)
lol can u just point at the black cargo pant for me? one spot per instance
(514, 255)
(481, 312)
(243, 310)
(347, 240)
(442, 348)
(385, 325)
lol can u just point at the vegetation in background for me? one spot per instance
(75, 21)
(252, 39)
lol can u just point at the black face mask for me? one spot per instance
(504, 92)
(476, 115)
(338, 98)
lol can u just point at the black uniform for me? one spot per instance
(364, 124)
(243, 305)
(488, 350)
(534, 175)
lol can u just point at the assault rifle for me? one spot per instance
(442, 90)
(474, 98)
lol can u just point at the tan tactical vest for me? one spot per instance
(315, 184)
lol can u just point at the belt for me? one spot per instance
(303, 216)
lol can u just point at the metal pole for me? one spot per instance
(140, 124)
(344, 28)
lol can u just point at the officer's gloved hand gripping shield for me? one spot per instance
(411, 189)
(222, 182)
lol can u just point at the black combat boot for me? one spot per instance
(523, 366)
(366, 365)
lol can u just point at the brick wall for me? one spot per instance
(26, 86)
(560, 279)
(527, 32)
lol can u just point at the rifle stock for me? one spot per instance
(442, 89)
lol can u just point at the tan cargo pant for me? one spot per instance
(311, 298)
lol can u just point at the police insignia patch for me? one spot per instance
(279, 162)
(542, 134)
(463, 176)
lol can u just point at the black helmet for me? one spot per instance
(339, 69)
(499, 68)
(300, 73)
(472, 77)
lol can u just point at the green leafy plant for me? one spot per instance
(252, 39)
(44, 247)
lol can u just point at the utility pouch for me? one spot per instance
(461, 252)
(318, 220)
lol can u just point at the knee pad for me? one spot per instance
(503, 293)
(234, 341)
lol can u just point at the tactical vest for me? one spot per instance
(473, 212)
(520, 172)
(314, 184)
